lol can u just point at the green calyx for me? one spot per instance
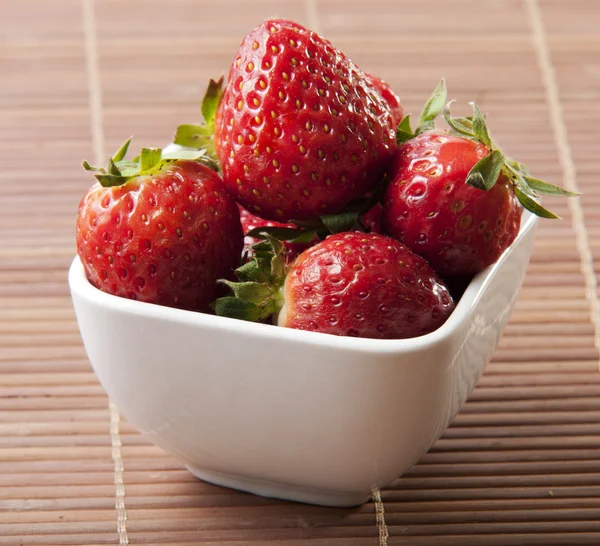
(257, 295)
(486, 171)
(200, 136)
(149, 162)
(327, 224)
(431, 110)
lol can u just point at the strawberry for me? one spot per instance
(299, 129)
(250, 223)
(454, 198)
(159, 229)
(389, 96)
(429, 206)
(351, 284)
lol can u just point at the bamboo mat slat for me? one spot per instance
(520, 464)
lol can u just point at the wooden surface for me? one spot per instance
(521, 463)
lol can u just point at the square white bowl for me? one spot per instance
(291, 414)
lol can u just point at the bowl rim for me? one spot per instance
(81, 287)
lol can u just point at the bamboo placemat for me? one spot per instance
(521, 463)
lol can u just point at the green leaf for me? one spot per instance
(233, 308)
(547, 189)
(404, 125)
(211, 100)
(476, 180)
(434, 105)
(122, 151)
(191, 155)
(459, 125)
(258, 294)
(404, 132)
(252, 292)
(459, 128)
(196, 136)
(278, 269)
(268, 254)
(307, 236)
(486, 171)
(480, 129)
(533, 206)
(128, 168)
(515, 165)
(112, 168)
(111, 180)
(466, 124)
(337, 223)
(263, 249)
(199, 156)
(281, 233)
(88, 167)
(523, 186)
(315, 224)
(149, 158)
(402, 137)
(291, 235)
(275, 244)
(250, 272)
(192, 136)
(516, 177)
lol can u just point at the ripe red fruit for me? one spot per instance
(161, 231)
(299, 131)
(455, 199)
(429, 206)
(364, 285)
(389, 96)
(351, 284)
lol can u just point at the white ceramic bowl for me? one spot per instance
(291, 414)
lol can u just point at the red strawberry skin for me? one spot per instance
(299, 131)
(371, 220)
(428, 205)
(389, 96)
(250, 222)
(365, 285)
(163, 239)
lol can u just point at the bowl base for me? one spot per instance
(274, 490)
